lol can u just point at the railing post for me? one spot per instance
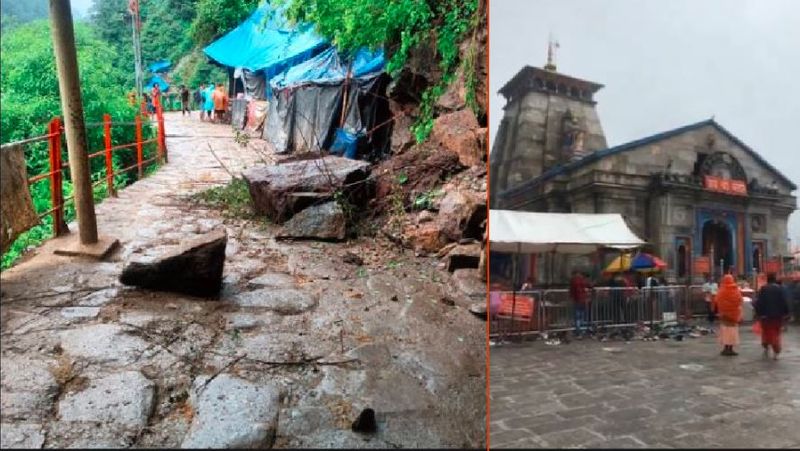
(144, 111)
(162, 139)
(138, 122)
(109, 165)
(56, 189)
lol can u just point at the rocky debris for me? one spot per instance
(230, 412)
(460, 133)
(365, 423)
(28, 388)
(277, 280)
(194, 268)
(352, 259)
(325, 222)
(21, 435)
(279, 191)
(415, 172)
(463, 256)
(286, 301)
(125, 399)
(462, 214)
(402, 139)
(102, 343)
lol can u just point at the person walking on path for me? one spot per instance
(198, 100)
(772, 309)
(579, 292)
(728, 302)
(208, 101)
(220, 98)
(185, 109)
(709, 292)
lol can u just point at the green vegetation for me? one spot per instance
(233, 199)
(400, 26)
(30, 99)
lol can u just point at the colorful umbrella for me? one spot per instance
(641, 262)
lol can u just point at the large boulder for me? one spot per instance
(460, 133)
(425, 238)
(462, 214)
(279, 191)
(325, 222)
(464, 256)
(194, 268)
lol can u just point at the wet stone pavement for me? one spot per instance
(663, 394)
(299, 343)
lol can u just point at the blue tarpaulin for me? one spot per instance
(162, 85)
(270, 47)
(329, 68)
(160, 66)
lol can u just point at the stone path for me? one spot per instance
(673, 394)
(299, 343)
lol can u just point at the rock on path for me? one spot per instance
(231, 412)
(124, 399)
(286, 301)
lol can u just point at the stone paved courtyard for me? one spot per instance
(645, 394)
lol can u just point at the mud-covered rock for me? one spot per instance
(425, 238)
(324, 222)
(459, 132)
(194, 268)
(280, 191)
(463, 256)
(414, 172)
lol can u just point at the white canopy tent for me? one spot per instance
(569, 233)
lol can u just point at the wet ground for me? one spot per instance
(663, 394)
(299, 343)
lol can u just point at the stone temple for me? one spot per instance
(700, 197)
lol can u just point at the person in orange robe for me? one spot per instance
(728, 302)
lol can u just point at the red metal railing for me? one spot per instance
(57, 166)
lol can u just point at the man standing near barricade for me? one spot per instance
(772, 310)
(579, 293)
(709, 292)
(185, 109)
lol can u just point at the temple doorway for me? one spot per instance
(718, 244)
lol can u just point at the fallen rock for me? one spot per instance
(425, 238)
(352, 259)
(324, 222)
(464, 256)
(21, 435)
(286, 301)
(469, 282)
(123, 398)
(366, 423)
(279, 191)
(232, 413)
(459, 132)
(411, 173)
(462, 215)
(194, 268)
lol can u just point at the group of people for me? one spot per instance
(771, 307)
(212, 101)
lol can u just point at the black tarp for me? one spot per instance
(305, 118)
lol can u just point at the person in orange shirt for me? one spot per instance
(729, 302)
(220, 98)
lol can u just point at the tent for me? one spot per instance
(571, 233)
(313, 99)
(159, 66)
(263, 46)
(155, 79)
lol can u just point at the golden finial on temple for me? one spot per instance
(551, 46)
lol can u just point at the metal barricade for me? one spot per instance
(557, 311)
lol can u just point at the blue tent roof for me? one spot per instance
(162, 85)
(159, 66)
(329, 68)
(272, 46)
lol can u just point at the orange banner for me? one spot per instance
(773, 266)
(702, 265)
(727, 186)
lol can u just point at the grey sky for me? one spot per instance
(667, 63)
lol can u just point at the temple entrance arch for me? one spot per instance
(718, 244)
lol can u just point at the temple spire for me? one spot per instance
(551, 57)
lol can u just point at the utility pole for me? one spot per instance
(69, 86)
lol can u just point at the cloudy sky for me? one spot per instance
(665, 64)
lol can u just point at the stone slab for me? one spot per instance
(124, 398)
